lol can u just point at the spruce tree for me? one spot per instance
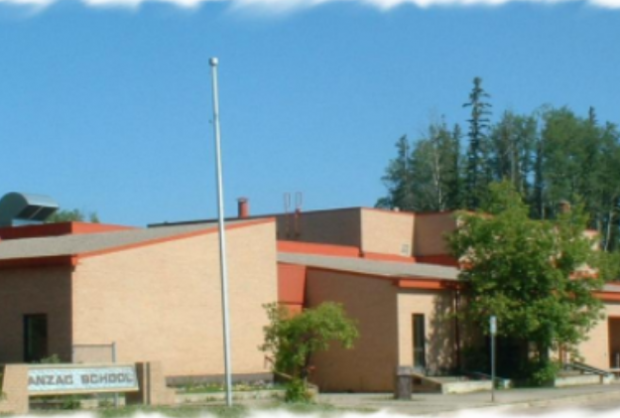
(479, 172)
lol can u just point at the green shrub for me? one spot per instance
(541, 373)
(70, 402)
(53, 359)
(297, 392)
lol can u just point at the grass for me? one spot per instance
(220, 411)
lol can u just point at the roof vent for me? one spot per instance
(25, 209)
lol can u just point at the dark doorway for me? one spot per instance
(511, 356)
(35, 337)
(614, 342)
(419, 342)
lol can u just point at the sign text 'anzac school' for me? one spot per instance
(63, 379)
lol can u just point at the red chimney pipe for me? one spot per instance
(243, 208)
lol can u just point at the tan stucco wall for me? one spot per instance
(35, 290)
(387, 232)
(595, 350)
(370, 365)
(339, 227)
(430, 232)
(440, 329)
(162, 302)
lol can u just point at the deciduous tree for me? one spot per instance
(292, 339)
(537, 277)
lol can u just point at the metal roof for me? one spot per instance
(386, 268)
(16, 208)
(612, 287)
(371, 267)
(68, 245)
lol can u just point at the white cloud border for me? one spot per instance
(288, 5)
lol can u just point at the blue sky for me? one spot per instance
(107, 109)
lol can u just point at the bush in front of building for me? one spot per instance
(293, 338)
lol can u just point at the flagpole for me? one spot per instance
(221, 227)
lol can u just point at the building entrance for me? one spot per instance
(419, 342)
(35, 337)
(614, 342)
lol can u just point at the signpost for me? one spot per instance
(493, 329)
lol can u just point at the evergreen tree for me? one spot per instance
(426, 178)
(398, 179)
(479, 173)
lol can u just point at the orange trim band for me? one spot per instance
(56, 229)
(318, 249)
(428, 284)
(607, 296)
(388, 257)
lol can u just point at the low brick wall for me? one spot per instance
(153, 390)
(586, 379)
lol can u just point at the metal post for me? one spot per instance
(114, 361)
(220, 216)
(493, 368)
(493, 328)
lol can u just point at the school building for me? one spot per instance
(155, 292)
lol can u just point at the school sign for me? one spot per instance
(55, 379)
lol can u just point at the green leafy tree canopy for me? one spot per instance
(74, 215)
(536, 277)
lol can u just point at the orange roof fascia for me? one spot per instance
(388, 257)
(298, 247)
(607, 296)
(57, 260)
(93, 228)
(57, 229)
(351, 273)
(427, 284)
(173, 238)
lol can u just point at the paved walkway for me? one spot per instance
(505, 400)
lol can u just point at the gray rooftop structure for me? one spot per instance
(69, 245)
(22, 208)
(371, 267)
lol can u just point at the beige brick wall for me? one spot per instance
(370, 366)
(595, 350)
(15, 388)
(339, 227)
(35, 290)
(387, 232)
(162, 302)
(440, 329)
(430, 232)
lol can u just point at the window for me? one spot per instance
(35, 337)
(419, 342)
